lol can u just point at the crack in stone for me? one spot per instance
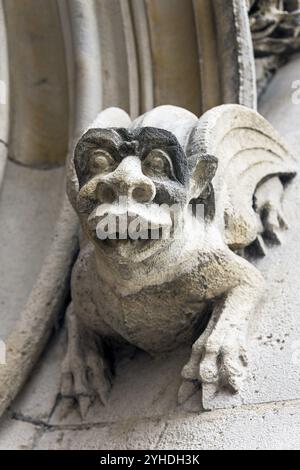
(99, 425)
(55, 404)
(161, 435)
(197, 389)
(37, 437)
(28, 419)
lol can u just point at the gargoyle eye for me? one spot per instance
(102, 161)
(158, 163)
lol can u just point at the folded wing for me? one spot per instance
(249, 151)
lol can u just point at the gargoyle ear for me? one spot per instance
(202, 170)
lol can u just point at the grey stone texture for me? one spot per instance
(16, 434)
(260, 427)
(26, 233)
(143, 412)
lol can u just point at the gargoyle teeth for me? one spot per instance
(151, 234)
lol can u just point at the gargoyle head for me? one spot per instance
(134, 188)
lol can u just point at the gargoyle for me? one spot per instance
(193, 286)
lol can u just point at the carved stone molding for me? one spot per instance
(4, 94)
(142, 53)
(39, 93)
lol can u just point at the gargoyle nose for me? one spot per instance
(142, 191)
(127, 180)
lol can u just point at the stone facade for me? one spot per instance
(75, 59)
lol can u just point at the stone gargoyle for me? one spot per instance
(193, 286)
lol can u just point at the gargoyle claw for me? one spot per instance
(225, 368)
(220, 365)
(85, 376)
(84, 384)
(85, 403)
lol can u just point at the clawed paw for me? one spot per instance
(224, 368)
(84, 380)
(223, 365)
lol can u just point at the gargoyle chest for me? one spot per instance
(155, 319)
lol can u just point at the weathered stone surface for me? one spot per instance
(39, 84)
(275, 329)
(273, 427)
(264, 427)
(3, 156)
(17, 435)
(77, 30)
(4, 94)
(26, 234)
(154, 392)
(150, 386)
(41, 312)
(277, 103)
(129, 434)
(38, 398)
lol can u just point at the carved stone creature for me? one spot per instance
(275, 29)
(275, 26)
(192, 287)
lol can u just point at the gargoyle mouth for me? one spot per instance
(145, 239)
(137, 228)
(147, 235)
(128, 247)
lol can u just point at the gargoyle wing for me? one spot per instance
(249, 151)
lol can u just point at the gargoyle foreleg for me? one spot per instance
(85, 372)
(219, 356)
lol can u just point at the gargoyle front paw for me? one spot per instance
(222, 364)
(85, 378)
